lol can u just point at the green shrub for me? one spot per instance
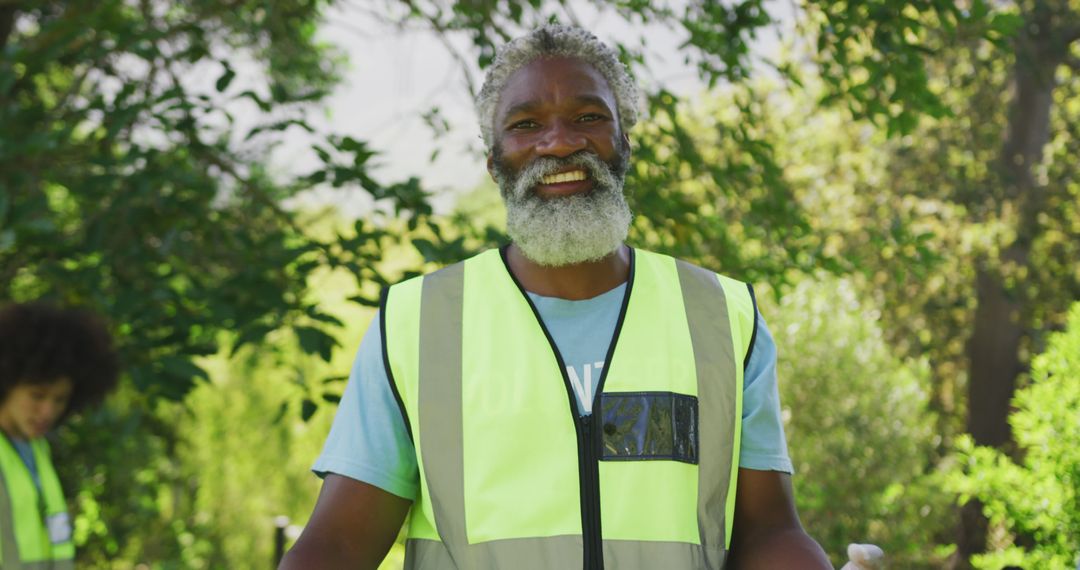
(197, 484)
(858, 428)
(1035, 501)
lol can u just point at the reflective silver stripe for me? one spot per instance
(518, 553)
(710, 334)
(557, 552)
(10, 546)
(649, 554)
(439, 403)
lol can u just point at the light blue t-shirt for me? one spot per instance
(369, 442)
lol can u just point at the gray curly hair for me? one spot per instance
(556, 40)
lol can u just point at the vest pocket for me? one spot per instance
(644, 426)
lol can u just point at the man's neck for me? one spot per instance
(573, 282)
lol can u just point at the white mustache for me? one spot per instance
(534, 173)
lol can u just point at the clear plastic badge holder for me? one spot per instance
(59, 526)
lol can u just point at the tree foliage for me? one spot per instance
(1034, 499)
(859, 427)
(987, 184)
(942, 175)
(127, 187)
(704, 192)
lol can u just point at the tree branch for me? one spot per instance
(251, 189)
(442, 36)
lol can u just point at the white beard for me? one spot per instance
(566, 230)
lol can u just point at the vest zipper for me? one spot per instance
(589, 472)
(588, 441)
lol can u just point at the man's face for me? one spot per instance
(560, 158)
(30, 410)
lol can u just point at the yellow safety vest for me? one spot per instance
(512, 477)
(35, 530)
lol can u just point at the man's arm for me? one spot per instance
(353, 526)
(767, 533)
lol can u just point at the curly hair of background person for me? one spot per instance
(41, 343)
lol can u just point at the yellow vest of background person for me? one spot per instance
(35, 530)
(512, 477)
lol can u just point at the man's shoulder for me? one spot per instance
(739, 294)
(691, 265)
(413, 279)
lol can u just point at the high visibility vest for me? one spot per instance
(512, 477)
(35, 531)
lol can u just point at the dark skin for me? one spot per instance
(554, 107)
(538, 117)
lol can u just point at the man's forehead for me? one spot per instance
(555, 77)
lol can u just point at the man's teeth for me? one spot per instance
(572, 176)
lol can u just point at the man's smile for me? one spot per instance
(564, 183)
(570, 176)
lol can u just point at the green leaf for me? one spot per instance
(365, 301)
(1006, 24)
(308, 409)
(226, 78)
(279, 126)
(426, 248)
(201, 349)
(315, 341)
(262, 104)
(251, 334)
(313, 312)
(181, 367)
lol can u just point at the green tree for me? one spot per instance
(247, 453)
(128, 188)
(993, 171)
(1035, 498)
(703, 191)
(858, 425)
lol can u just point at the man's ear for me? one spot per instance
(626, 142)
(491, 165)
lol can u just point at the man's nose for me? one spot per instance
(561, 140)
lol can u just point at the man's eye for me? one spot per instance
(522, 125)
(591, 118)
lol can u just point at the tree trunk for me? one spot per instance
(1000, 324)
(7, 23)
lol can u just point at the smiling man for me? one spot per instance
(564, 401)
(562, 180)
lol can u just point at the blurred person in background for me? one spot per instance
(53, 362)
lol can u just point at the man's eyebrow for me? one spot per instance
(593, 100)
(523, 107)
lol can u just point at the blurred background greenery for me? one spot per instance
(897, 178)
